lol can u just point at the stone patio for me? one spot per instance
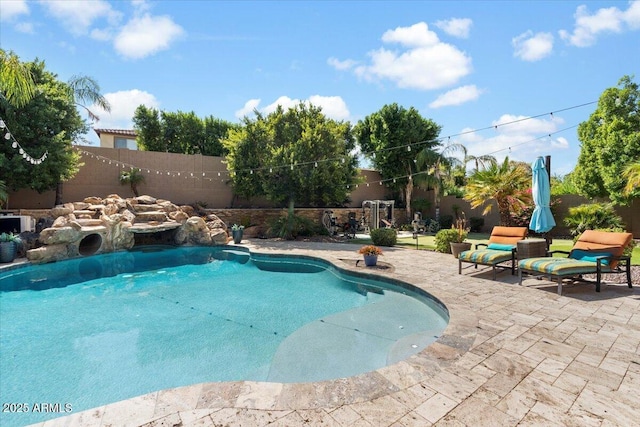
(511, 355)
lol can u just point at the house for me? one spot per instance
(117, 138)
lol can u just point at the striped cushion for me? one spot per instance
(558, 266)
(485, 256)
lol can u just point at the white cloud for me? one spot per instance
(145, 35)
(77, 16)
(284, 101)
(426, 63)
(333, 107)
(588, 26)
(123, 106)
(341, 65)
(632, 15)
(12, 9)
(560, 142)
(532, 47)
(457, 96)
(457, 27)
(248, 108)
(415, 35)
(25, 27)
(517, 137)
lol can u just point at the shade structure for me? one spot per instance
(542, 218)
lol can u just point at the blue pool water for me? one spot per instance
(83, 333)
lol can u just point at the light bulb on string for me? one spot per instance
(14, 145)
(7, 136)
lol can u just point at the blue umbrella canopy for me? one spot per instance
(542, 218)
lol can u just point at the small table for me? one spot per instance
(531, 248)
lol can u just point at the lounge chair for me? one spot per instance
(501, 248)
(594, 252)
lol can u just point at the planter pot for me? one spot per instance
(370, 260)
(456, 248)
(237, 235)
(8, 251)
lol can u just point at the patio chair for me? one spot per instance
(594, 252)
(500, 249)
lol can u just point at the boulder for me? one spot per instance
(61, 210)
(49, 253)
(193, 232)
(219, 236)
(61, 235)
(179, 216)
(92, 200)
(146, 200)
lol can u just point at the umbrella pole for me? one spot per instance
(547, 166)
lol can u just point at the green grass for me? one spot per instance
(428, 242)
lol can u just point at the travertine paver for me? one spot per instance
(510, 356)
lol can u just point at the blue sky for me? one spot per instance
(471, 66)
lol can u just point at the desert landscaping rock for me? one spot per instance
(117, 221)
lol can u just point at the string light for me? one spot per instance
(16, 146)
(408, 147)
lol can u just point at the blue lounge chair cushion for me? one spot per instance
(591, 256)
(500, 247)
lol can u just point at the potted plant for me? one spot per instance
(370, 253)
(9, 246)
(237, 232)
(461, 232)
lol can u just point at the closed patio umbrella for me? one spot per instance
(542, 218)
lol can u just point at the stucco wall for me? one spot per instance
(102, 167)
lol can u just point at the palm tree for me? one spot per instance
(507, 183)
(84, 89)
(134, 177)
(632, 175)
(479, 160)
(438, 166)
(16, 82)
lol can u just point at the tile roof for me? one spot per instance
(125, 132)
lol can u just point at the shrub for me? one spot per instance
(446, 221)
(384, 236)
(290, 228)
(476, 224)
(433, 226)
(443, 239)
(592, 216)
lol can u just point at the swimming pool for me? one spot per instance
(81, 333)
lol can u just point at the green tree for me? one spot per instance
(133, 178)
(293, 157)
(439, 167)
(563, 185)
(391, 139)
(180, 132)
(16, 82)
(49, 122)
(506, 183)
(632, 176)
(86, 90)
(610, 140)
(146, 122)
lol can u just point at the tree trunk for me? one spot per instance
(58, 194)
(290, 211)
(408, 193)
